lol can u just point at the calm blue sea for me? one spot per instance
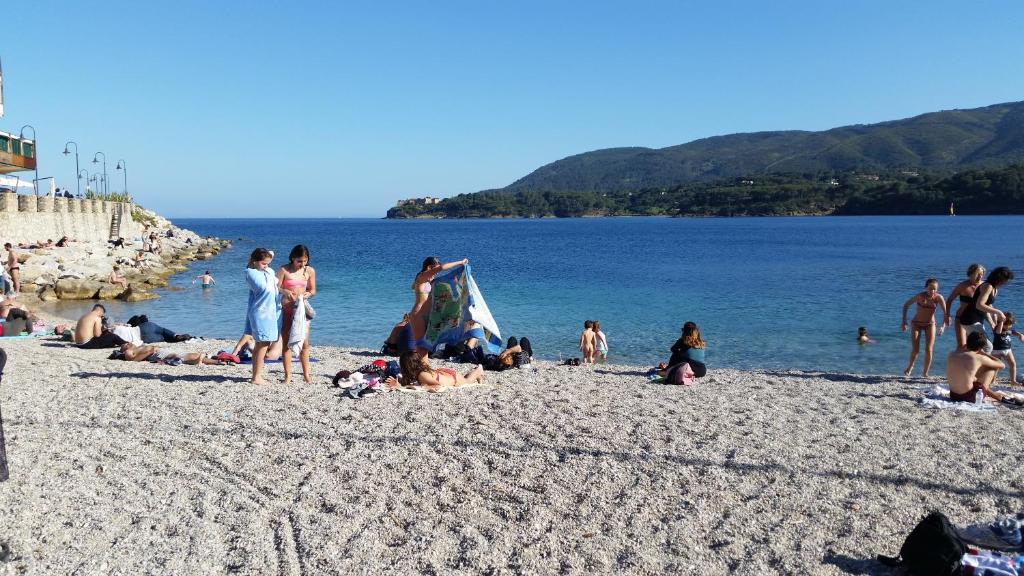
(767, 292)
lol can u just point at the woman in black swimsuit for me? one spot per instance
(980, 308)
(964, 292)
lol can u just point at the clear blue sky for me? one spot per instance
(233, 108)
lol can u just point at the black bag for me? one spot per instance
(933, 548)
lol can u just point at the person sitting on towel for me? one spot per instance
(18, 321)
(90, 332)
(132, 353)
(972, 370)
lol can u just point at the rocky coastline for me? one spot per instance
(81, 270)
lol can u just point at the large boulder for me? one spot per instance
(48, 294)
(76, 289)
(135, 295)
(111, 291)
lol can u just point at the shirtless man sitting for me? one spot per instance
(972, 369)
(89, 332)
(133, 353)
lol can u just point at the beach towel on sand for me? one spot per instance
(454, 299)
(938, 397)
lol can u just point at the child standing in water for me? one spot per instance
(206, 278)
(1002, 345)
(601, 342)
(924, 323)
(587, 341)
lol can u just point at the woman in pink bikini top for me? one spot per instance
(296, 279)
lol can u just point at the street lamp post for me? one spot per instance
(122, 165)
(95, 161)
(86, 179)
(78, 182)
(35, 153)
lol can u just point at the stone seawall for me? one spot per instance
(28, 219)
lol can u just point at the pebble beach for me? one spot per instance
(136, 468)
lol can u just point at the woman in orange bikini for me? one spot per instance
(924, 323)
(295, 279)
(421, 287)
(416, 369)
(964, 291)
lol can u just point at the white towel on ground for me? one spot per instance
(938, 397)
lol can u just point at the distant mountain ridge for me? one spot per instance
(991, 136)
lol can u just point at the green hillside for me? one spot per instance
(792, 171)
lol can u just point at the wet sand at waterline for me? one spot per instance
(136, 468)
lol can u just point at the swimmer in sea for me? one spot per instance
(924, 323)
(862, 336)
(206, 279)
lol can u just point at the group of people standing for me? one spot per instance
(278, 309)
(976, 361)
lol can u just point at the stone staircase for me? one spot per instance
(115, 222)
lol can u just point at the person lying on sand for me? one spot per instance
(972, 370)
(417, 373)
(151, 332)
(132, 353)
(246, 343)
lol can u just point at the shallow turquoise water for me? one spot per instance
(767, 292)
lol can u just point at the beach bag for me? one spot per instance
(933, 548)
(682, 374)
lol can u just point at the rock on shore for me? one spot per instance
(80, 271)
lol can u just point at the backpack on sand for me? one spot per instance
(932, 548)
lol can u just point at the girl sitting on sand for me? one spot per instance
(964, 292)
(924, 323)
(416, 370)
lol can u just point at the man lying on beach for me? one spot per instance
(151, 332)
(972, 370)
(132, 353)
(90, 333)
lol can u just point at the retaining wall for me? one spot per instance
(32, 218)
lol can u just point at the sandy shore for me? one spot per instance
(134, 468)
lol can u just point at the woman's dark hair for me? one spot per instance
(207, 272)
(409, 364)
(596, 325)
(430, 262)
(999, 276)
(931, 281)
(300, 251)
(1010, 319)
(257, 255)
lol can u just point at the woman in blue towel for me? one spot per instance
(263, 317)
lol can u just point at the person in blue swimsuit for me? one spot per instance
(263, 316)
